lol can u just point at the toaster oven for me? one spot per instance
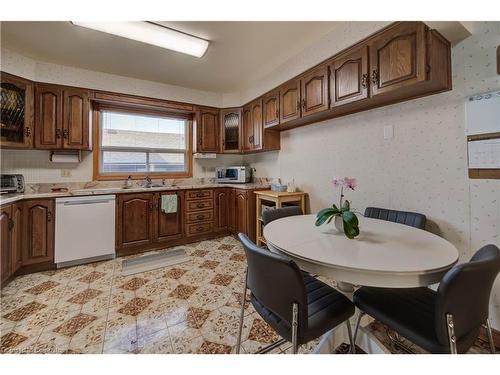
(12, 183)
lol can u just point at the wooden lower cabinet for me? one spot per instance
(39, 218)
(134, 220)
(169, 225)
(221, 209)
(141, 224)
(17, 236)
(5, 239)
(27, 237)
(242, 212)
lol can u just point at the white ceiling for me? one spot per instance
(240, 52)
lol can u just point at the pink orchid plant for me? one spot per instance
(349, 219)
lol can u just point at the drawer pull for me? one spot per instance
(199, 229)
(200, 205)
(199, 217)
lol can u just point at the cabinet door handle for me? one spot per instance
(304, 104)
(11, 224)
(65, 133)
(49, 216)
(277, 113)
(298, 105)
(151, 205)
(375, 77)
(58, 133)
(364, 79)
(28, 131)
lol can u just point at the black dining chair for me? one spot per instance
(446, 321)
(413, 219)
(278, 213)
(297, 306)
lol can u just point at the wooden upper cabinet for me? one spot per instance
(230, 130)
(48, 116)
(16, 119)
(314, 91)
(170, 225)
(134, 219)
(257, 125)
(76, 114)
(271, 109)
(289, 101)
(39, 231)
(349, 77)
(398, 57)
(207, 130)
(247, 127)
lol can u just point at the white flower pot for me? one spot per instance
(339, 224)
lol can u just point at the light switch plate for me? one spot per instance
(388, 132)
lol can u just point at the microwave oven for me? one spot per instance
(233, 175)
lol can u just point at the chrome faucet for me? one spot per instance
(148, 182)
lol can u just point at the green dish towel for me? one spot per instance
(169, 203)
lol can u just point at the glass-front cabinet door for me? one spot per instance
(231, 130)
(16, 120)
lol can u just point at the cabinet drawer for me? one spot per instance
(202, 204)
(199, 194)
(193, 217)
(198, 229)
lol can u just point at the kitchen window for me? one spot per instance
(141, 144)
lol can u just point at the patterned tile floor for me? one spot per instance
(187, 308)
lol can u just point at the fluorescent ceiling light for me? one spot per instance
(152, 33)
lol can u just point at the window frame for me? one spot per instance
(98, 175)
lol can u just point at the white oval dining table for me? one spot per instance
(385, 254)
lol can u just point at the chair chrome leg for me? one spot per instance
(356, 328)
(490, 336)
(351, 341)
(242, 314)
(451, 334)
(295, 323)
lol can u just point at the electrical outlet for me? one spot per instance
(65, 172)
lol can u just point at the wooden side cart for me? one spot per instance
(267, 199)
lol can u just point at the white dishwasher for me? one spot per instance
(85, 229)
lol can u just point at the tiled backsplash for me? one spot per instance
(35, 166)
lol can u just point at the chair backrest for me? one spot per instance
(413, 219)
(465, 291)
(276, 282)
(278, 213)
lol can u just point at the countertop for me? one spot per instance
(11, 198)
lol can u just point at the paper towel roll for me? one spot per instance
(65, 157)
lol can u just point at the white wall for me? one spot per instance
(423, 168)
